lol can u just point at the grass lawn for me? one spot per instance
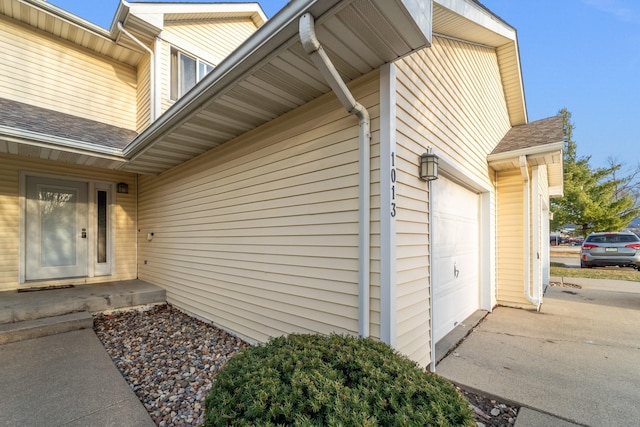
(596, 273)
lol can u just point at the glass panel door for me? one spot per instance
(56, 228)
(103, 221)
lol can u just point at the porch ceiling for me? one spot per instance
(270, 75)
(552, 159)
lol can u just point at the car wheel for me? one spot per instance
(585, 265)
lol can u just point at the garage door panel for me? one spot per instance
(456, 255)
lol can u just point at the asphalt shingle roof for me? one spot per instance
(49, 122)
(534, 134)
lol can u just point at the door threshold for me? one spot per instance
(45, 288)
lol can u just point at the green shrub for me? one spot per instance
(312, 380)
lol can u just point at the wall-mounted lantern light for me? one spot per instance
(429, 167)
(123, 188)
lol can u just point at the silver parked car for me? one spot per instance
(610, 249)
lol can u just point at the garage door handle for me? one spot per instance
(84, 233)
(456, 272)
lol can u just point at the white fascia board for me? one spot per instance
(152, 13)
(532, 151)
(419, 12)
(41, 140)
(68, 16)
(481, 16)
(122, 11)
(556, 191)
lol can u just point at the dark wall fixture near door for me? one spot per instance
(123, 188)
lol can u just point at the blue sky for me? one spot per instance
(580, 54)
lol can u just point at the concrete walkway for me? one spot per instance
(54, 370)
(65, 380)
(575, 362)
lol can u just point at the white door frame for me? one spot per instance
(93, 267)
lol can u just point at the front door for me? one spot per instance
(56, 228)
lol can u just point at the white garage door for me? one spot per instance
(456, 255)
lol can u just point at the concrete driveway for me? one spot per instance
(578, 359)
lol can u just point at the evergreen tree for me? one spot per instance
(594, 199)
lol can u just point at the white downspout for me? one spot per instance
(431, 317)
(322, 62)
(524, 169)
(152, 72)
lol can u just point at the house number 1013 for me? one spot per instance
(393, 184)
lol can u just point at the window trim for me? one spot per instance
(175, 89)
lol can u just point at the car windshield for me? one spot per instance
(613, 238)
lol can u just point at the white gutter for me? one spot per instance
(524, 169)
(152, 72)
(322, 62)
(51, 142)
(540, 150)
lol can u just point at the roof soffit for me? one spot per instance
(270, 74)
(67, 26)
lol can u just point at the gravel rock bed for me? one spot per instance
(170, 359)
(489, 412)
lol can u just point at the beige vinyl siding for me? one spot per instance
(510, 250)
(143, 118)
(48, 72)
(260, 235)
(210, 41)
(463, 109)
(543, 182)
(412, 254)
(218, 38)
(449, 97)
(165, 76)
(125, 205)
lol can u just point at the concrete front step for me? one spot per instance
(28, 329)
(93, 298)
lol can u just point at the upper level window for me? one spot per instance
(186, 71)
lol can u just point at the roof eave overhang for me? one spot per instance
(21, 142)
(550, 155)
(156, 13)
(276, 36)
(471, 22)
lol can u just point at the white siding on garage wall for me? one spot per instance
(47, 72)
(449, 97)
(125, 205)
(260, 235)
